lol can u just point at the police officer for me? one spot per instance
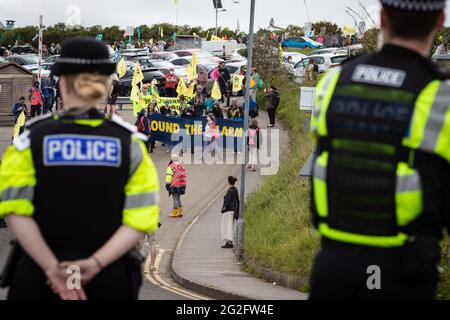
(381, 177)
(79, 190)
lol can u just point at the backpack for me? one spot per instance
(276, 100)
(260, 84)
(140, 125)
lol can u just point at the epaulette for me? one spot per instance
(39, 119)
(119, 121)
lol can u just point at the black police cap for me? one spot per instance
(416, 5)
(84, 55)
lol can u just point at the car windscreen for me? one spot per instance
(232, 69)
(338, 59)
(183, 54)
(30, 59)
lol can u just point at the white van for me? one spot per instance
(220, 48)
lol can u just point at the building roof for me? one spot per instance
(6, 67)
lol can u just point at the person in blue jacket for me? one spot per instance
(18, 108)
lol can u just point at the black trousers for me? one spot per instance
(340, 274)
(272, 113)
(119, 281)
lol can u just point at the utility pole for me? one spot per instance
(41, 27)
(217, 18)
(240, 223)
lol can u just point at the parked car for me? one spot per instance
(234, 67)
(149, 76)
(325, 51)
(296, 57)
(52, 59)
(134, 51)
(164, 55)
(201, 54)
(301, 42)
(324, 62)
(22, 50)
(28, 61)
(204, 62)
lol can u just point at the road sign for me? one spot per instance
(307, 95)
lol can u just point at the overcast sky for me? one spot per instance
(191, 12)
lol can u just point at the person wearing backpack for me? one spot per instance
(143, 125)
(272, 102)
(176, 184)
(254, 143)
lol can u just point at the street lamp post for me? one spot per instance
(240, 223)
(217, 18)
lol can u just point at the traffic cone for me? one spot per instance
(180, 212)
(174, 213)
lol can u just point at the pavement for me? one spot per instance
(200, 264)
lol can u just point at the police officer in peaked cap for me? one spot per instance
(79, 190)
(381, 176)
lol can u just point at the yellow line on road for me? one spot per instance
(154, 278)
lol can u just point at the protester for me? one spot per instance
(18, 108)
(143, 125)
(254, 144)
(311, 70)
(47, 94)
(211, 135)
(112, 97)
(256, 79)
(176, 184)
(36, 100)
(217, 111)
(272, 102)
(235, 112)
(171, 84)
(230, 213)
(224, 80)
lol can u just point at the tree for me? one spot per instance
(330, 27)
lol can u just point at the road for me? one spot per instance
(205, 184)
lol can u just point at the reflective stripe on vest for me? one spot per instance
(320, 185)
(430, 127)
(408, 196)
(324, 93)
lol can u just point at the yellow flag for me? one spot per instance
(190, 92)
(237, 82)
(20, 123)
(138, 75)
(135, 93)
(191, 70)
(215, 38)
(216, 93)
(162, 32)
(181, 89)
(252, 83)
(121, 68)
(155, 93)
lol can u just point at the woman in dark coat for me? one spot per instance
(230, 213)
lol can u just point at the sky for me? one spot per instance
(190, 12)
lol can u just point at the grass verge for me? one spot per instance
(278, 231)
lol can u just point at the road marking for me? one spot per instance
(154, 278)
